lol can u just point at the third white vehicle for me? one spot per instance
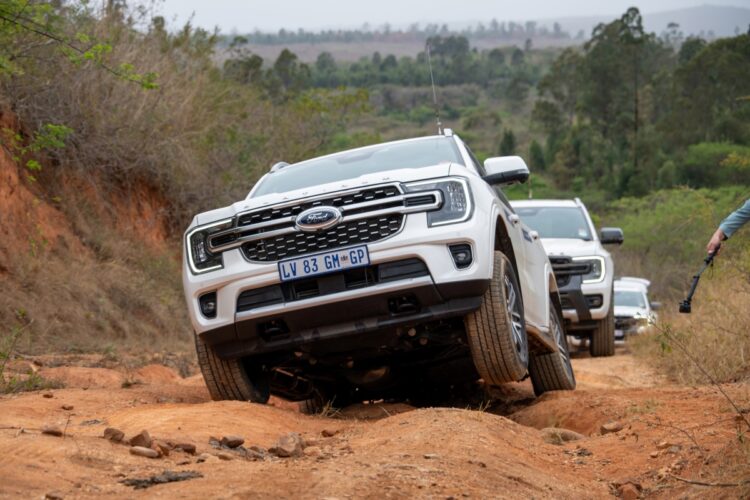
(583, 267)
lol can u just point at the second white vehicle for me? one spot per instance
(583, 267)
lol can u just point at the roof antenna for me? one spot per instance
(434, 93)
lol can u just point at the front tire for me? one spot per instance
(603, 337)
(229, 379)
(553, 371)
(496, 332)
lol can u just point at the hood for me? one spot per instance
(398, 175)
(570, 247)
(630, 311)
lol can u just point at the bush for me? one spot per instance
(712, 164)
(666, 233)
(716, 334)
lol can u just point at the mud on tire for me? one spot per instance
(553, 371)
(496, 332)
(229, 378)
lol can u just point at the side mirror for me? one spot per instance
(611, 236)
(655, 305)
(505, 170)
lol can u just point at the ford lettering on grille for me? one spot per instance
(318, 219)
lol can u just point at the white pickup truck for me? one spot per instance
(584, 268)
(382, 271)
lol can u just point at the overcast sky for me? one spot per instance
(268, 15)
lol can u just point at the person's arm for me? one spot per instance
(729, 226)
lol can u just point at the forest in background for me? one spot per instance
(651, 131)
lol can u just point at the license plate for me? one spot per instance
(324, 263)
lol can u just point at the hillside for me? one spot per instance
(707, 21)
(722, 21)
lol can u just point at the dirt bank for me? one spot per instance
(386, 450)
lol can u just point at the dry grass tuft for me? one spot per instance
(717, 333)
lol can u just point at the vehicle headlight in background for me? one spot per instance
(200, 257)
(456, 207)
(596, 275)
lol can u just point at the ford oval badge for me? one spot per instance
(318, 219)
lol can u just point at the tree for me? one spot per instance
(517, 58)
(536, 156)
(508, 143)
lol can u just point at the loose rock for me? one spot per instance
(186, 447)
(611, 427)
(629, 491)
(141, 439)
(290, 445)
(52, 430)
(431, 456)
(556, 435)
(142, 451)
(206, 457)
(67, 407)
(313, 451)
(663, 445)
(47, 395)
(161, 447)
(167, 476)
(654, 454)
(53, 495)
(329, 432)
(257, 453)
(223, 455)
(114, 435)
(232, 441)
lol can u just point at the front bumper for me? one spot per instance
(414, 241)
(627, 325)
(584, 303)
(323, 322)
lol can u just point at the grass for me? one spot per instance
(717, 332)
(29, 381)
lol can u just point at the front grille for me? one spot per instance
(366, 215)
(351, 233)
(285, 213)
(625, 322)
(565, 267)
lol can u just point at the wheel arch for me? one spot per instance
(554, 295)
(503, 242)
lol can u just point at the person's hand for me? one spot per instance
(714, 244)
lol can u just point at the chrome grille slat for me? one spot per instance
(368, 214)
(346, 233)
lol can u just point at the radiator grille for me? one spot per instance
(349, 233)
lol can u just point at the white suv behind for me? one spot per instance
(384, 271)
(584, 268)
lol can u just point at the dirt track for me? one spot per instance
(391, 451)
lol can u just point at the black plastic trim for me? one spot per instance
(345, 318)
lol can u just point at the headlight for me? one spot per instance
(456, 205)
(199, 256)
(596, 274)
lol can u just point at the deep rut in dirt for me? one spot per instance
(378, 450)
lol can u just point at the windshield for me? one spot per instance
(556, 222)
(352, 164)
(629, 299)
